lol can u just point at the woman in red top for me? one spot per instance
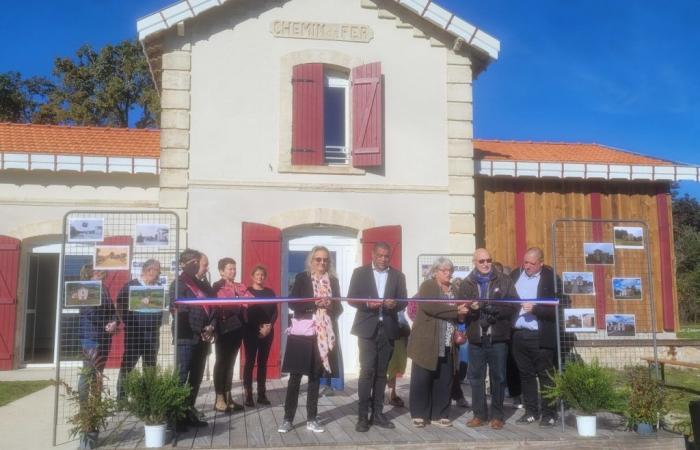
(229, 334)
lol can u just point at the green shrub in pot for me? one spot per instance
(587, 388)
(647, 404)
(155, 395)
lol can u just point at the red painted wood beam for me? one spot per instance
(665, 260)
(598, 271)
(520, 228)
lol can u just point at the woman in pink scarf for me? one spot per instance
(312, 339)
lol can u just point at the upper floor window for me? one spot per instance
(324, 99)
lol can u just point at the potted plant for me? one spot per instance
(646, 406)
(587, 388)
(155, 396)
(92, 402)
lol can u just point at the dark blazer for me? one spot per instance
(362, 285)
(296, 357)
(546, 318)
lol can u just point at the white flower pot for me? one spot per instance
(155, 435)
(586, 425)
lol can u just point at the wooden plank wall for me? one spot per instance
(547, 201)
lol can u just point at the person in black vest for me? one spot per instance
(376, 325)
(195, 328)
(535, 335)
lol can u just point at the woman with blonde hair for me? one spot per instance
(312, 340)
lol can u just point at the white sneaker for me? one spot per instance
(285, 427)
(315, 426)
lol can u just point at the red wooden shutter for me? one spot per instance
(307, 115)
(262, 245)
(391, 235)
(113, 282)
(9, 270)
(367, 116)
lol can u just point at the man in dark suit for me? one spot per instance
(535, 335)
(376, 326)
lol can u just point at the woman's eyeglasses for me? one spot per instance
(321, 260)
(482, 261)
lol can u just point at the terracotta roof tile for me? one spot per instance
(67, 140)
(560, 152)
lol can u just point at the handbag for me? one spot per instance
(302, 327)
(459, 337)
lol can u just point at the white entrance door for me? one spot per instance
(344, 250)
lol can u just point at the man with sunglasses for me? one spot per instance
(376, 326)
(535, 335)
(489, 330)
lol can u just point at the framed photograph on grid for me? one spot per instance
(579, 320)
(86, 229)
(151, 234)
(620, 324)
(147, 298)
(599, 253)
(83, 293)
(578, 283)
(629, 237)
(111, 257)
(627, 288)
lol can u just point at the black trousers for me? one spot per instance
(375, 354)
(429, 397)
(292, 399)
(191, 360)
(137, 344)
(256, 348)
(227, 346)
(512, 373)
(457, 382)
(534, 362)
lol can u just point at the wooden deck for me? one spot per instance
(257, 428)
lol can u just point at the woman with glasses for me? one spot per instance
(431, 348)
(313, 340)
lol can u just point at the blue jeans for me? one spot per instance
(495, 356)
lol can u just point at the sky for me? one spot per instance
(622, 73)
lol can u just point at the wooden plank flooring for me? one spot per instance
(257, 428)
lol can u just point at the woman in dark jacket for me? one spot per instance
(312, 340)
(97, 324)
(258, 335)
(431, 349)
(229, 334)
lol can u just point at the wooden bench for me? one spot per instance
(671, 362)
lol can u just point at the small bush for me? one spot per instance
(155, 395)
(587, 388)
(646, 398)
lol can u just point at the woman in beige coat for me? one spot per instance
(431, 349)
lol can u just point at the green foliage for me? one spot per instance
(155, 395)
(95, 87)
(102, 87)
(646, 398)
(23, 100)
(587, 388)
(14, 390)
(686, 220)
(93, 404)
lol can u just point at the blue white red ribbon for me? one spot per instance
(260, 300)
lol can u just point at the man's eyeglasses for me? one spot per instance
(321, 260)
(487, 260)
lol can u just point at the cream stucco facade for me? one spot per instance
(227, 124)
